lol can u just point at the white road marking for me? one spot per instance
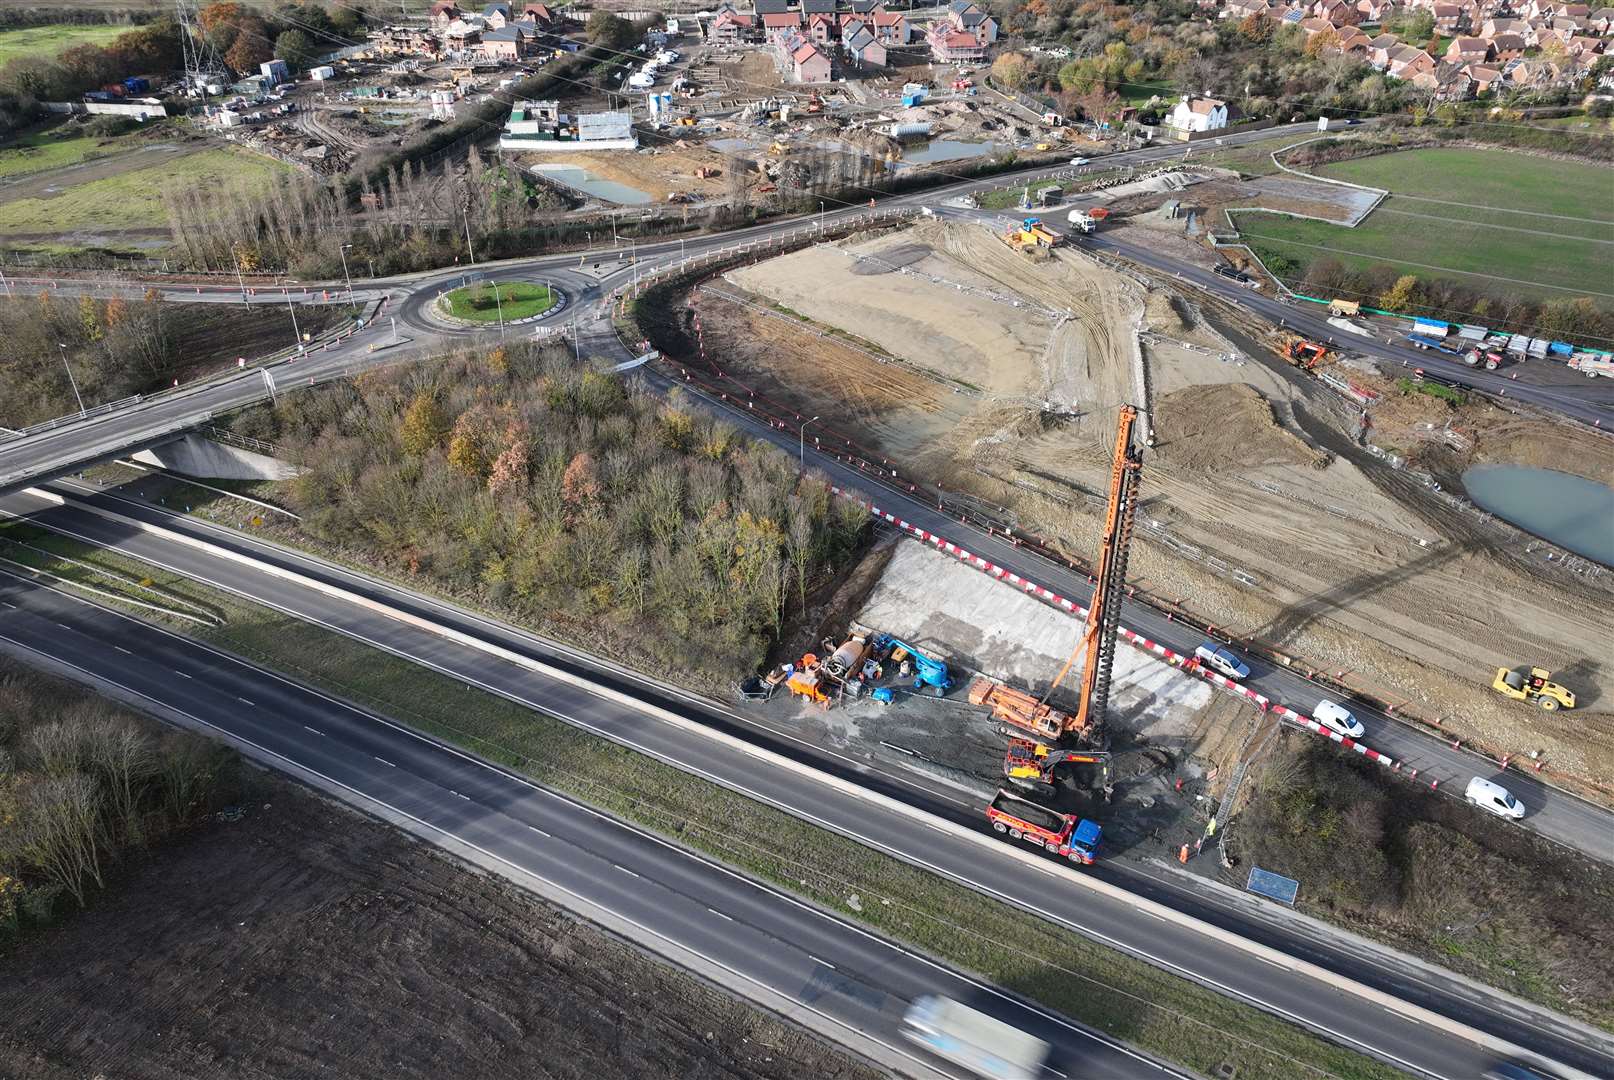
(816, 960)
(122, 650)
(1056, 1072)
(625, 870)
(64, 626)
(457, 795)
(1146, 911)
(313, 730)
(720, 915)
(385, 762)
(181, 674)
(11, 607)
(243, 700)
(1268, 960)
(539, 831)
(1402, 1015)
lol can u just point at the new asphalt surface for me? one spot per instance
(264, 573)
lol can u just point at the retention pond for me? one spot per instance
(1575, 513)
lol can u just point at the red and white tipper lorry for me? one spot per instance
(1062, 834)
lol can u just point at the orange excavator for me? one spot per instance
(1056, 737)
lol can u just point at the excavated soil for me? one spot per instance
(1261, 511)
(307, 941)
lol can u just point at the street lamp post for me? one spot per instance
(801, 445)
(297, 335)
(342, 251)
(242, 282)
(71, 381)
(499, 303)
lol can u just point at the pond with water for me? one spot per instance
(935, 150)
(1575, 513)
(581, 179)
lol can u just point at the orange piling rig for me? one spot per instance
(1104, 615)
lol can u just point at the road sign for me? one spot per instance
(1278, 887)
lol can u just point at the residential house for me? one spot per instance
(822, 29)
(1198, 114)
(1314, 26)
(863, 49)
(1505, 47)
(1337, 12)
(1586, 48)
(464, 32)
(1378, 50)
(1450, 82)
(809, 8)
(1485, 78)
(1602, 20)
(496, 15)
(1468, 50)
(510, 42)
(540, 15)
(730, 27)
(1352, 42)
(1573, 11)
(949, 45)
(1448, 18)
(892, 28)
(781, 25)
(1373, 11)
(442, 13)
(1498, 25)
(1407, 62)
(809, 64)
(771, 7)
(867, 7)
(972, 18)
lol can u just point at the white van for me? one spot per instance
(1489, 795)
(1336, 717)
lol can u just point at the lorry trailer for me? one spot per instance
(1061, 834)
(983, 1044)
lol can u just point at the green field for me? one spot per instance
(51, 149)
(134, 199)
(509, 300)
(1505, 222)
(48, 41)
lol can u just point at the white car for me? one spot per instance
(1079, 161)
(1489, 795)
(1336, 717)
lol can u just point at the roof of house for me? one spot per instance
(787, 18)
(772, 7)
(1470, 44)
(508, 32)
(888, 18)
(1508, 42)
(971, 18)
(805, 53)
(1384, 41)
(860, 39)
(729, 15)
(961, 6)
(813, 7)
(443, 7)
(1205, 106)
(500, 7)
(819, 17)
(958, 39)
(864, 7)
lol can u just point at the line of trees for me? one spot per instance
(564, 497)
(84, 784)
(150, 49)
(1579, 320)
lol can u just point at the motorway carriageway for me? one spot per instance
(846, 983)
(996, 868)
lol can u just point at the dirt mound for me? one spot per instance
(1225, 428)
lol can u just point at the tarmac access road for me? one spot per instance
(838, 979)
(260, 572)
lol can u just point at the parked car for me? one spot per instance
(1080, 161)
(1222, 659)
(1336, 717)
(1489, 795)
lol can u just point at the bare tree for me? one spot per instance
(58, 831)
(124, 759)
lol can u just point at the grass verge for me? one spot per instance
(1115, 993)
(54, 38)
(56, 147)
